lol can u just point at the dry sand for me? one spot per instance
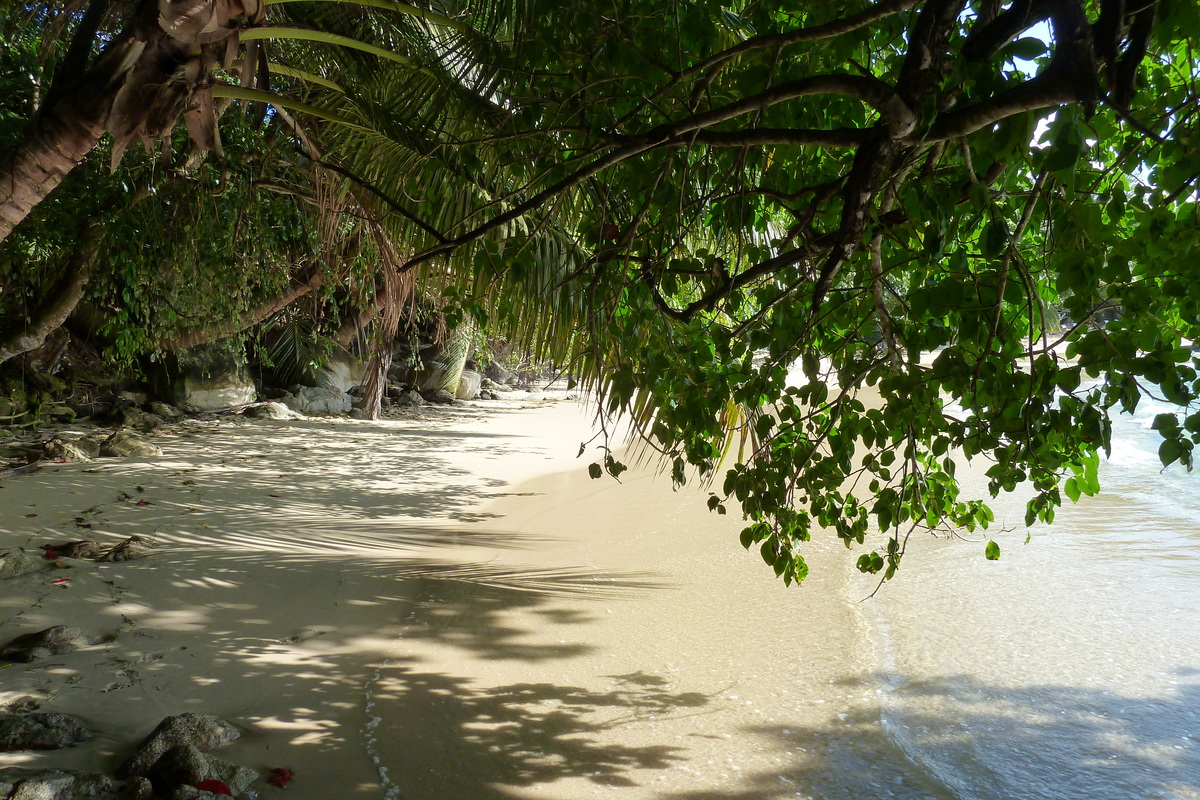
(398, 610)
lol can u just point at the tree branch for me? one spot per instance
(253, 317)
(1044, 91)
(826, 30)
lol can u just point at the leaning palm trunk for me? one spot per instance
(157, 69)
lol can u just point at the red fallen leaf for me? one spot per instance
(50, 553)
(84, 524)
(285, 476)
(279, 777)
(274, 495)
(31, 515)
(215, 787)
(143, 502)
(61, 580)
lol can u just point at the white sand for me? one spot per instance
(387, 609)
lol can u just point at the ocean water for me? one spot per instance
(1070, 668)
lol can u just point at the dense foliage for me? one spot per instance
(936, 201)
(817, 254)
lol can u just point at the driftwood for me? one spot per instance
(31, 467)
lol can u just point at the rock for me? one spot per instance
(132, 549)
(40, 732)
(441, 396)
(90, 446)
(469, 385)
(128, 444)
(277, 411)
(133, 397)
(192, 793)
(461, 404)
(342, 371)
(84, 548)
(136, 418)
(498, 373)
(22, 783)
(186, 765)
(61, 413)
(50, 642)
(358, 413)
(14, 563)
(202, 731)
(410, 398)
(139, 788)
(395, 393)
(58, 449)
(164, 410)
(207, 378)
(318, 400)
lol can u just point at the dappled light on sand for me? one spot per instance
(462, 635)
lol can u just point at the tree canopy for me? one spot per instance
(816, 255)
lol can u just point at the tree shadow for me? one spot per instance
(448, 738)
(958, 737)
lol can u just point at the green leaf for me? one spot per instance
(1169, 451)
(992, 551)
(595, 470)
(1027, 49)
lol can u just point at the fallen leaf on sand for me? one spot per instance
(279, 777)
(143, 502)
(274, 495)
(61, 581)
(215, 787)
(50, 553)
(31, 515)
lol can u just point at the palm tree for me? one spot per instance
(174, 58)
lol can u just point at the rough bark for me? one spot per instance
(136, 90)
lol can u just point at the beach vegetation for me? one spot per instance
(817, 256)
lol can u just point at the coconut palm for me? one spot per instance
(160, 61)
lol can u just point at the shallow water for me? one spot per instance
(1071, 667)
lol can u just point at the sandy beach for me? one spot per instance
(443, 606)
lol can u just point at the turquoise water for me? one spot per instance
(1069, 669)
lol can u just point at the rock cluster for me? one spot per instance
(172, 762)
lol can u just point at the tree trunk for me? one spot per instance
(65, 129)
(58, 142)
(253, 317)
(55, 311)
(136, 89)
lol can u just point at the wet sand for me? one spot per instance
(403, 609)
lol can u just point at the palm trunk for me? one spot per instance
(65, 129)
(135, 90)
(59, 141)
